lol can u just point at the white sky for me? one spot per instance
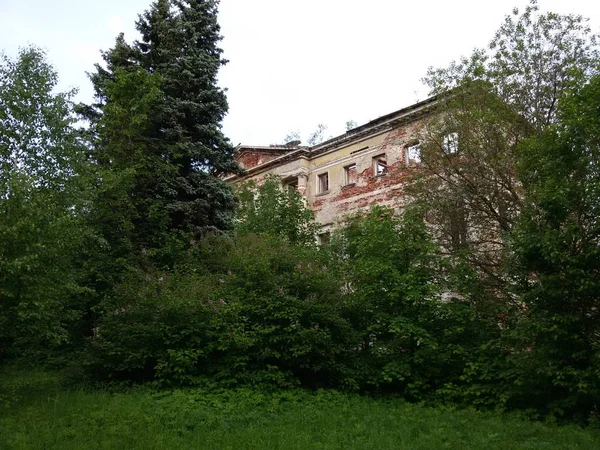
(293, 64)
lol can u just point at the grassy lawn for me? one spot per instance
(36, 413)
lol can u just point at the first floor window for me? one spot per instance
(324, 238)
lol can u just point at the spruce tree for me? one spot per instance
(170, 149)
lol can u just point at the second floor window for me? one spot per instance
(380, 165)
(350, 174)
(413, 153)
(451, 143)
(323, 182)
(293, 184)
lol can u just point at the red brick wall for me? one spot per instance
(249, 159)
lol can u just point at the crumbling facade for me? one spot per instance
(367, 165)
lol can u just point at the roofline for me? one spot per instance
(379, 121)
(355, 133)
(273, 162)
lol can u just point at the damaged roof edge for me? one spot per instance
(379, 121)
(307, 152)
(293, 153)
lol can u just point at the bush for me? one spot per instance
(271, 209)
(253, 309)
(155, 326)
(365, 314)
(410, 339)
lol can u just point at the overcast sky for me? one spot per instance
(293, 64)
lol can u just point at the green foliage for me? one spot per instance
(411, 338)
(152, 324)
(48, 416)
(158, 133)
(532, 59)
(280, 316)
(130, 222)
(471, 196)
(513, 211)
(271, 209)
(556, 250)
(256, 309)
(367, 314)
(494, 99)
(44, 188)
(483, 292)
(536, 57)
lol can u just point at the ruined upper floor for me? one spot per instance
(367, 165)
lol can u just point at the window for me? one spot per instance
(451, 143)
(350, 174)
(359, 150)
(458, 231)
(323, 182)
(292, 184)
(324, 238)
(380, 165)
(413, 153)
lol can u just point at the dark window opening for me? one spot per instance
(324, 238)
(292, 184)
(451, 143)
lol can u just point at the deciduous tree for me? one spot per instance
(490, 102)
(44, 182)
(557, 250)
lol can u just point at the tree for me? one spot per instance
(532, 59)
(44, 187)
(270, 209)
(351, 124)
(131, 221)
(292, 136)
(172, 150)
(407, 339)
(536, 57)
(469, 186)
(557, 252)
(317, 136)
(490, 102)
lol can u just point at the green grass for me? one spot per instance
(36, 413)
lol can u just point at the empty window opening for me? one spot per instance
(451, 143)
(380, 165)
(323, 183)
(458, 230)
(324, 238)
(350, 174)
(292, 184)
(413, 153)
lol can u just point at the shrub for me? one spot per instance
(254, 309)
(410, 339)
(271, 209)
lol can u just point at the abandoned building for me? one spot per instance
(367, 165)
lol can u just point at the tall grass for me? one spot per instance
(37, 413)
